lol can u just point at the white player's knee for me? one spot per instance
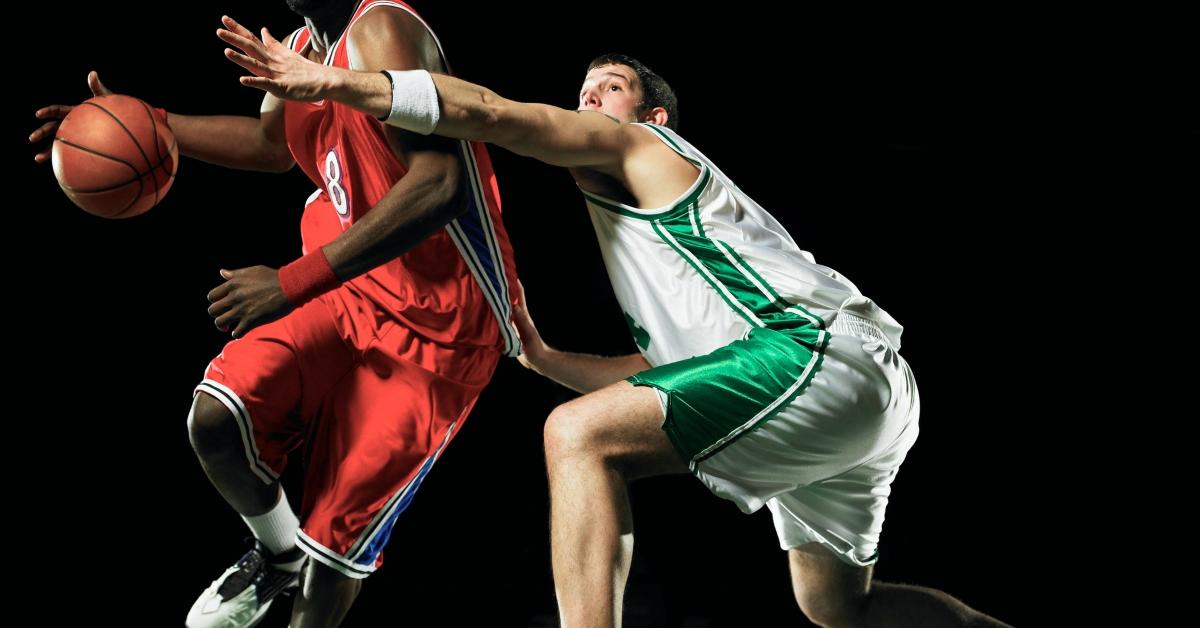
(566, 434)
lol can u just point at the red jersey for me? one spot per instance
(455, 287)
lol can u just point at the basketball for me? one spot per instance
(114, 156)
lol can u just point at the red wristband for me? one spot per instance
(307, 277)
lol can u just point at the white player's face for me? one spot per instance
(611, 89)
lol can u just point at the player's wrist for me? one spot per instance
(335, 84)
(414, 105)
(545, 357)
(304, 279)
(535, 356)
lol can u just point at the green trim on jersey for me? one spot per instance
(765, 288)
(738, 284)
(680, 206)
(668, 139)
(701, 269)
(640, 335)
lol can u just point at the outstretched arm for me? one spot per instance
(464, 110)
(241, 142)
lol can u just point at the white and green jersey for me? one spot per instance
(699, 274)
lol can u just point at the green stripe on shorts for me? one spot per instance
(716, 398)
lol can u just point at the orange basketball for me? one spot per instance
(114, 156)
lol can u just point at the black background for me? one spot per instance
(965, 170)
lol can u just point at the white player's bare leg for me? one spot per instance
(594, 444)
(835, 594)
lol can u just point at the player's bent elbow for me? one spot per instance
(442, 182)
(450, 186)
(276, 157)
(281, 165)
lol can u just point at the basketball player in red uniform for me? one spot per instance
(371, 348)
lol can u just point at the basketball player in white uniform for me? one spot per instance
(769, 377)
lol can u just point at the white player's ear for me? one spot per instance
(657, 115)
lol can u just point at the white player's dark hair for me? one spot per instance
(655, 91)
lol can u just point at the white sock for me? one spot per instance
(277, 527)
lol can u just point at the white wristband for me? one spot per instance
(414, 101)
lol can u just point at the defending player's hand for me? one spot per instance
(276, 68)
(55, 114)
(249, 297)
(531, 341)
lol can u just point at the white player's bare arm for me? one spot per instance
(582, 372)
(577, 371)
(556, 136)
(467, 111)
